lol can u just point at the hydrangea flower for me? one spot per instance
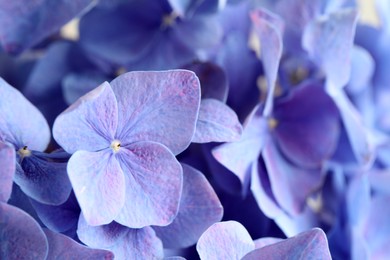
(230, 240)
(123, 136)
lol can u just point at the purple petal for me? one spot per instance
(21, 123)
(25, 24)
(90, 123)
(291, 185)
(269, 29)
(153, 179)
(20, 235)
(311, 244)
(329, 42)
(124, 242)
(199, 208)
(309, 116)
(7, 170)
(225, 240)
(239, 156)
(157, 106)
(62, 247)
(216, 123)
(99, 185)
(44, 178)
(266, 241)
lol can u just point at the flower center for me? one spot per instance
(24, 152)
(272, 123)
(115, 146)
(169, 20)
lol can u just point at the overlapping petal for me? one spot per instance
(216, 123)
(7, 170)
(157, 106)
(62, 247)
(99, 185)
(21, 124)
(225, 240)
(124, 242)
(90, 123)
(199, 208)
(21, 236)
(153, 180)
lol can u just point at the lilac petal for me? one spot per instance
(124, 242)
(216, 123)
(62, 247)
(362, 70)
(262, 191)
(291, 185)
(99, 185)
(21, 123)
(189, 7)
(157, 106)
(20, 235)
(239, 156)
(7, 170)
(357, 134)
(225, 240)
(329, 42)
(44, 178)
(310, 116)
(269, 29)
(25, 24)
(153, 179)
(213, 80)
(266, 241)
(90, 123)
(199, 208)
(311, 244)
(379, 181)
(359, 193)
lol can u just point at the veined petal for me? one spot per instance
(99, 185)
(311, 244)
(7, 170)
(124, 242)
(216, 123)
(157, 106)
(199, 208)
(225, 240)
(63, 247)
(21, 236)
(329, 40)
(21, 123)
(90, 123)
(153, 179)
(269, 29)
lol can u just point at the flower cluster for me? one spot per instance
(194, 129)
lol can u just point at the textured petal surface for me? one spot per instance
(25, 24)
(308, 126)
(99, 185)
(225, 240)
(44, 178)
(62, 247)
(153, 179)
(124, 242)
(157, 106)
(7, 170)
(311, 244)
(216, 123)
(199, 208)
(90, 123)
(20, 235)
(239, 156)
(269, 29)
(329, 41)
(21, 123)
